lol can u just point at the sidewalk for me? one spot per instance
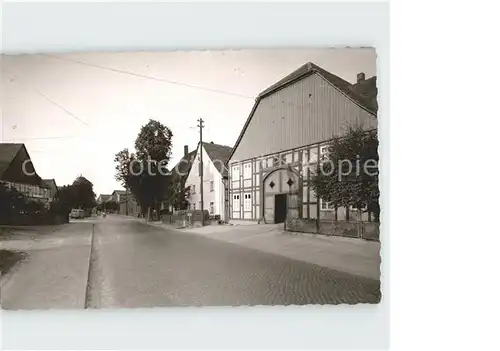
(354, 256)
(54, 274)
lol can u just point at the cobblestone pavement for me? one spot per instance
(55, 271)
(135, 265)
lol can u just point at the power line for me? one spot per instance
(62, 108)
(52, 101)
(43, 138)
(163, 80)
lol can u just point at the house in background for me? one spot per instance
(118, 196)
(17, 171)
(214, 171)
(180, 173)
(288, 130)
(52, 186)
(127, 204)
(103, 198)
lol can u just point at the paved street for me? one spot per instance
(136, 265)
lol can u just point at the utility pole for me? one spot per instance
(126, 201)
(201, 126)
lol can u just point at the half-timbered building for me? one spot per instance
(289, 128)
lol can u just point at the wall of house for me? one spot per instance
(306, 112)
(290, 127)
(299, 165)
(270, 175)
(15, 171)
(31, 192)
(215, 196)
(129, 207)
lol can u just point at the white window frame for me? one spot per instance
(212, 186)
(247, 202)
(236, 200)
(313, 155)
(323, 152)
(325, 205)
(235, 172)
(211, 208)
(193, 189)
(247, 171)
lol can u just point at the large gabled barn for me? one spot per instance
(289, 127)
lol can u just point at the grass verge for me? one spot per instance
(8, 259)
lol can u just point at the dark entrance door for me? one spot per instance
(279, 208)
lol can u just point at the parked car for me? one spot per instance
(77, 214)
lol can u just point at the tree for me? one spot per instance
(177, 194)
(144, 172)
(348, 176)
(154, 142)
(12, 203)
(80, 194)
(112, 206)
(84, 193)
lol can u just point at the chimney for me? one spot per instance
(361, 77)
(186, 150)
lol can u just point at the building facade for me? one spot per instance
(52, 186)
(103, 198)
(214, 172)
(17, 171)
(127, 204)
(283, 140)
(118, 196)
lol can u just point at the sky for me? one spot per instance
(74, 112)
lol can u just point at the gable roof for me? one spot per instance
(344, 86)
(363, 94)
(8, 152)
(182, 168)
(104, 197)
(119, 192)
(49, 183)
(219, 154)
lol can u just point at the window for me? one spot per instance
(236, 202)
(247, 202)
(305, 157)
(236, 172)
(212, 185)
(211, 208)
(326, 206)
(276, 161)
(313, 155)
(200, 205)
(270, 162)
(247, 171)
(324, 151)
(193, 189)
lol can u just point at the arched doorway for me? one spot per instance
(281, 192)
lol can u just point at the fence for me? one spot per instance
(353, 229)
(186, 218)
(35, 219)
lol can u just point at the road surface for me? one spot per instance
(136, 265)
